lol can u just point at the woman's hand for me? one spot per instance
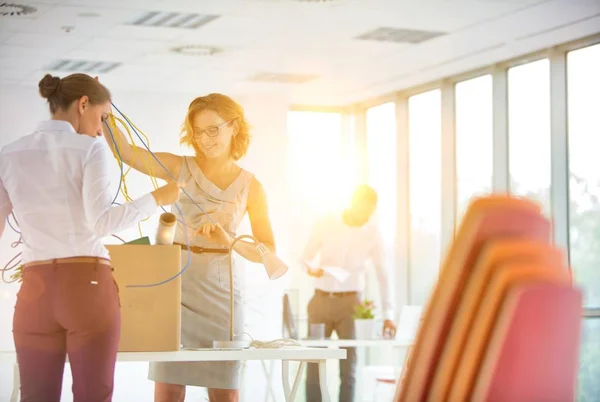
(215, 234)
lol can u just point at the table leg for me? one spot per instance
(14, 396)
(285, 377)
(290, 393)
(323, 381)
(269, 391)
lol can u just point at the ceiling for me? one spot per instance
(315, 52)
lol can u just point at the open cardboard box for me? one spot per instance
(150, 316)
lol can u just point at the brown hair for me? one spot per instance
(62, 92)
(229, 110)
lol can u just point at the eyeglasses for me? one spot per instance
(212, 131)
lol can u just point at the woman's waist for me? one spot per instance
(203, 248)
(70, 260)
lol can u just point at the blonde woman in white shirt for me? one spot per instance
(55, 181)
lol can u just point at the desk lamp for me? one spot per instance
(275, 269)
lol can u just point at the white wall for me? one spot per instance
(160, 117)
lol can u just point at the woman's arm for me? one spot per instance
(259, 220)
(140, 159)
(100, 214)
(258, 212)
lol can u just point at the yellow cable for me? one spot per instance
(124, 189)
(148, 163)
(147, 159)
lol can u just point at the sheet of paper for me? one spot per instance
(339, 274)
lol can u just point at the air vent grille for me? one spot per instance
(399, 35)
(196, 50)
(15, 10)
(87, 66)
(172, 20)
(283, 78)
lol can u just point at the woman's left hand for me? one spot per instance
(215, 233)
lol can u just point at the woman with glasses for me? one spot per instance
(215, 127)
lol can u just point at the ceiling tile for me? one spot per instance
(13, 74)
(99, 20)
(286, 37)
(64, 41)
(145, 33)
(4, 36)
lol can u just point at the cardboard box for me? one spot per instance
(150, 316)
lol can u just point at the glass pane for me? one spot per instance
(584, 165)
(589, 361)
(425, 150)
(529, 131)
(381, 165)
(474, 141)
(381, 175)
(318, 174)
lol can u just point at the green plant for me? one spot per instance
(364, 310)
(17, 276)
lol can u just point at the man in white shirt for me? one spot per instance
(347, 242)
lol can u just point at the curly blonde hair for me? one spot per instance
(229, 110)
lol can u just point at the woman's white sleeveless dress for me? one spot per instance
(205, 284)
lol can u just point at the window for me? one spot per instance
(425, 142)
(584, 165)
(381, 175)
(589, 356)
(529, 131)
(474, 141)
(583, 98)
(319, 179)
(381, 166)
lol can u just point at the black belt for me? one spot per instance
(203, 250)
(335, 294)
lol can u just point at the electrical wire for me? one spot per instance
(150, 168)
(11, 225)
(163, 166)
(12, 265)
(117, 237)
(274, 344)
(277, 343)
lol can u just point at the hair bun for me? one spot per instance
(49, 86)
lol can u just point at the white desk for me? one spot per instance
(335, 344)
(300, 354)
(355, 343)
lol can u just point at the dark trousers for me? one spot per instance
(336, 313)
(67, 309)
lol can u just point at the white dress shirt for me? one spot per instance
(342, 246)
(56, 183)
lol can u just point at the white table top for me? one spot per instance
(285, 353)
(341, 343)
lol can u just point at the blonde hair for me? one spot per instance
(229, 110)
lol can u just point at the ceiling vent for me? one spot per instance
(163, 19)
(196, 50)
(78, 66)
(15, 10)
(281, 78)
(399, 35)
